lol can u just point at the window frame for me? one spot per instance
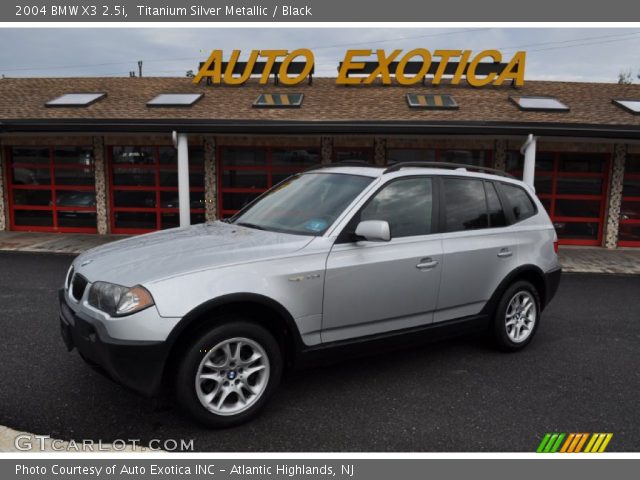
(347, 235)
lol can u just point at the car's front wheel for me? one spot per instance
(228, 373)
(517, 316)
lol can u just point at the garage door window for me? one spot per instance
(52, 189)
(144, 188)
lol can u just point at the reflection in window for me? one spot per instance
(243, 157)
(578, 208)
(146, 178)
(73, 156)
(496, 213)
(583, 163)
(396, 155)
(134, 155)
(281, 156)
(248, 171)
(579, 185)
(477, 158)
(577, 230)
(465, 205)
(30, 155)
(405, 204)
(631, 187)
(521, 205)
(58, 181)
(352, 154)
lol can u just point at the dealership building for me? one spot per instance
(117, 155)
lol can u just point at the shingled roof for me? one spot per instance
(22, 102)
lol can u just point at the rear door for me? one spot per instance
(376, 287)
(479, 249)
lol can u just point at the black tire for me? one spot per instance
(500, 330)
(232, 327)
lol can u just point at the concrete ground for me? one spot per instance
(73, 243)
(578, 375)
(573, 259)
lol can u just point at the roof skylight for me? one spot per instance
(539, 104)
(76, 99)
(175, 100)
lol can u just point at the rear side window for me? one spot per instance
(497, 217)
(406, 204)
(465, 206)
(520, 204)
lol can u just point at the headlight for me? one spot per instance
(117, 300)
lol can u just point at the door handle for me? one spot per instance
(504, 253)
(427, 264)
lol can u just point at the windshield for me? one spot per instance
(304, 204)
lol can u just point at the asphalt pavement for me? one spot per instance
(580, 374)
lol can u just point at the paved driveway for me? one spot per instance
(579, 375)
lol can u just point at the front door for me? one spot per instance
(376, 287)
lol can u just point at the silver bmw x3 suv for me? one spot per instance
(331, 261)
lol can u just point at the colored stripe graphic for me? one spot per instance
(543, 443)
(598, 442)
(556, 442)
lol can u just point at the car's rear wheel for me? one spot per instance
(228, 373)
(517, 316)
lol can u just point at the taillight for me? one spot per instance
(555, 246)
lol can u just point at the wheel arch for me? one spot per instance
(263, 310)
(531, 273)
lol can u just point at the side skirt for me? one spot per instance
(328, 353)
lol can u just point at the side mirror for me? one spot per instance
(374, 230)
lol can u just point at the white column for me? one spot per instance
(529, 152)
(182, 144)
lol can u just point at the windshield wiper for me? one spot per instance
(250, 225)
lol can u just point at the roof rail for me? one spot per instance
(343, 163)
(451, 166)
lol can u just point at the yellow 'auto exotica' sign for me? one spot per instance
(389, 67)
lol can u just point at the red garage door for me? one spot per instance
(143, 188)
(573, 189)
(246, 172)
(51, 189)
(629, 235)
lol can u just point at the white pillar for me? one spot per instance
(529, 152)
(182, 144)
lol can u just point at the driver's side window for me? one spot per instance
(406, 204)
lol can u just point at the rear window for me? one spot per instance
(520, 204)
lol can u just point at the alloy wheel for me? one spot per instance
(232, 376)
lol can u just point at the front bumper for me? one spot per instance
(136, 365)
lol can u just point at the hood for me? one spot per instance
(158, 255)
